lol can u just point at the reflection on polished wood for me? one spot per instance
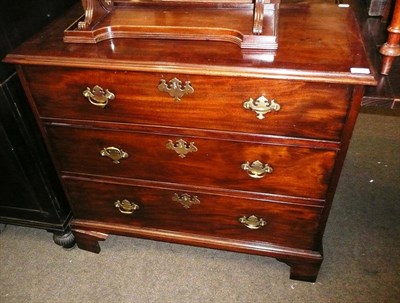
(391, 48)
(318, 83)
(250, 25)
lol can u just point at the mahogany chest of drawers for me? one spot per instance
(202, 143)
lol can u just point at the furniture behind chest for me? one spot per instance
(30, 193)
(202, 142)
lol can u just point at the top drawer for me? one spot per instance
(300, 109)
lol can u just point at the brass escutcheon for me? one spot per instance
(256, 170)
(252, 222)
(114, 153)
(185, 199)
(181, 147)
(175, 88)
(97, 96)
(126, 207)
(261, 106)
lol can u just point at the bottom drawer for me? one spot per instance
(198, 213)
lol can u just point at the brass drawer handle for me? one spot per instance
(97, 96)
(252, 222)
(256, 170)
(261, 106)
(181, 147)
(114, 153)
(175, 88)
(185, 199)
(126, 207)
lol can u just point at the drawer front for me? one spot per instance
(309, 110)
(284, 170)
(219, 216)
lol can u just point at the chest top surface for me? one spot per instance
(316, 43)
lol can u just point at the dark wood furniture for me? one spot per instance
(30, 193)
(386, 95)
(391, 48)
(198, 142)
(251, 24)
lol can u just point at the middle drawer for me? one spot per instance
(265, 168)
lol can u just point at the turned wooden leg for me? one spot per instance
(65, 239)
(89, 240)
(391, 48)
(303, 270)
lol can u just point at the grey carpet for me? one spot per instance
(362, 250)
